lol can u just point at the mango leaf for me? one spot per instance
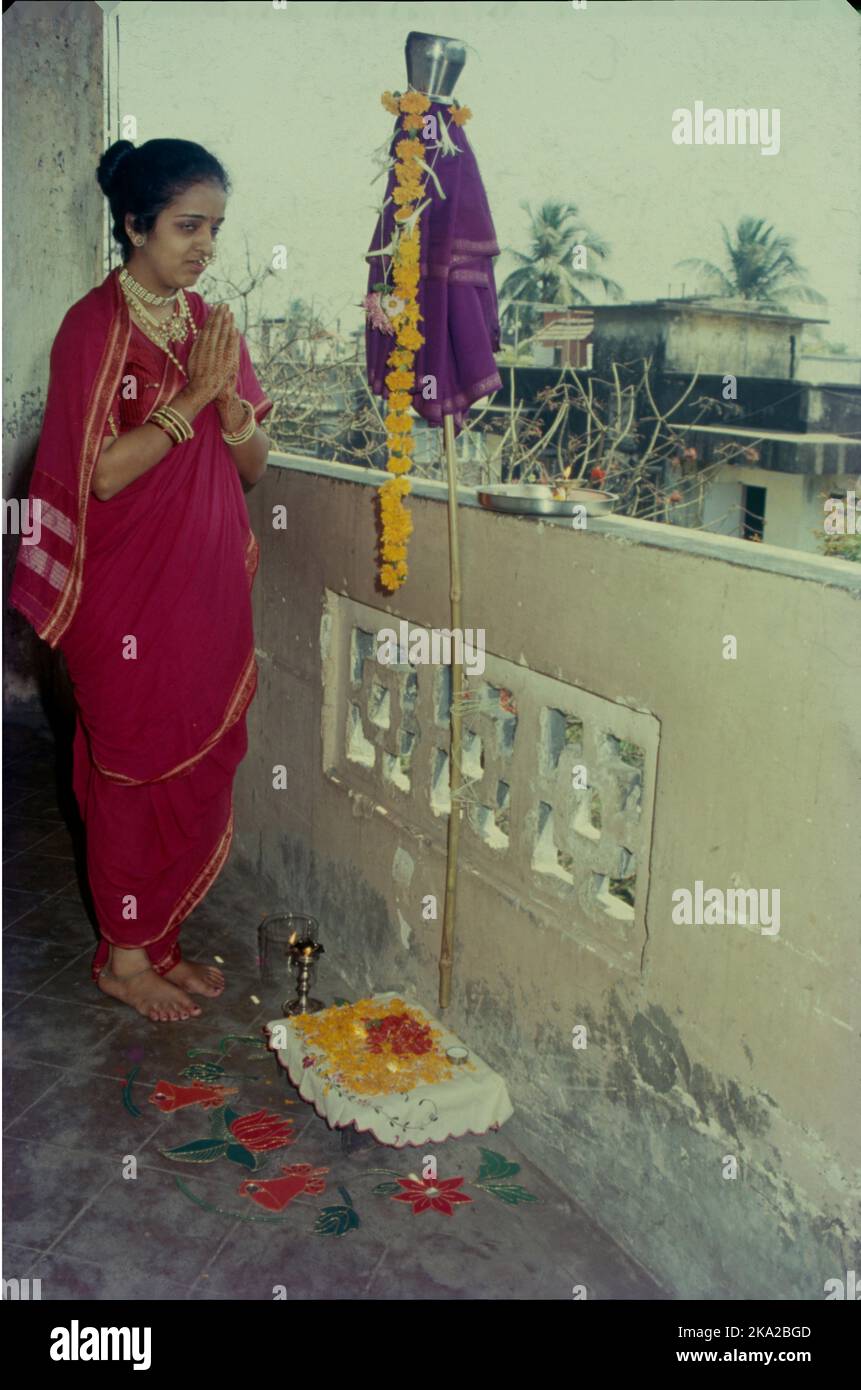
(385, 1189)
(198, 1151)
(344, 1001)
(495, 1166)
(511, 1193)
(237, 1153)
(336, 1221)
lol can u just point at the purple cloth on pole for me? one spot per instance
(456, 294)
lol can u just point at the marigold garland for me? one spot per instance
(406, 272)
(397, 523)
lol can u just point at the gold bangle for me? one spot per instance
(245, 431)
(167, 429)
(171, 423)
(160, 417)
(179, 420)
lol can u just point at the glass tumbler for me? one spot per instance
(277, 933)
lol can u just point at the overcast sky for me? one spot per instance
(571, 104)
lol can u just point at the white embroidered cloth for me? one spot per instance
(471, 1102)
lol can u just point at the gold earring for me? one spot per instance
(139, 240)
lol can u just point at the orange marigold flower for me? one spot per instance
(415, 102)
(412, 123)
(460, 114)
(408, 249)
(405, 195)
(396, 464)
(410, 149)
(390, 102)
(393, 555)
(401, 381)
(406, 277)
(409, 171)
(410, 337)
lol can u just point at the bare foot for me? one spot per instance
(196, 978)
(151, 994)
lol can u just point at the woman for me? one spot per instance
(143, 572)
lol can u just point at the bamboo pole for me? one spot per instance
(454, 767)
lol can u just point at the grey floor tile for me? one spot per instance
(161, 1049)
(147, 1223)
(44, 1030)
(36, 805)
(29, 963)
(85, 1114)
(75, 985)
(57, 918)
(20, 834)
(44, 1189)
(34, 872)
(59, 843)
(17, 904)
(201, 1293)
(256, 1258)
(72, 890)
(18, 1261)
(67, 1277)
(23, 1084)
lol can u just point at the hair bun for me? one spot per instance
(111, 162)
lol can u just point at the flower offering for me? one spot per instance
(374, 1048)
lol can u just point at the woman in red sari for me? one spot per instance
(143, 570)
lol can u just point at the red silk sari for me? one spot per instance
(148, 595)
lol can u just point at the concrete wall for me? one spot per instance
(794, 505)
(741, 344)
(703, 1041)
(53, 125)
(825, 369)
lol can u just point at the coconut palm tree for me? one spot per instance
(759, 266)
(548, 274)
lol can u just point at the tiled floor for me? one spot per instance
(75, 1219)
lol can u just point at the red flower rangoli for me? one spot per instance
(440, 1194)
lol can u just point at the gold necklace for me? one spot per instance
(126, 278)
(163, 333)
